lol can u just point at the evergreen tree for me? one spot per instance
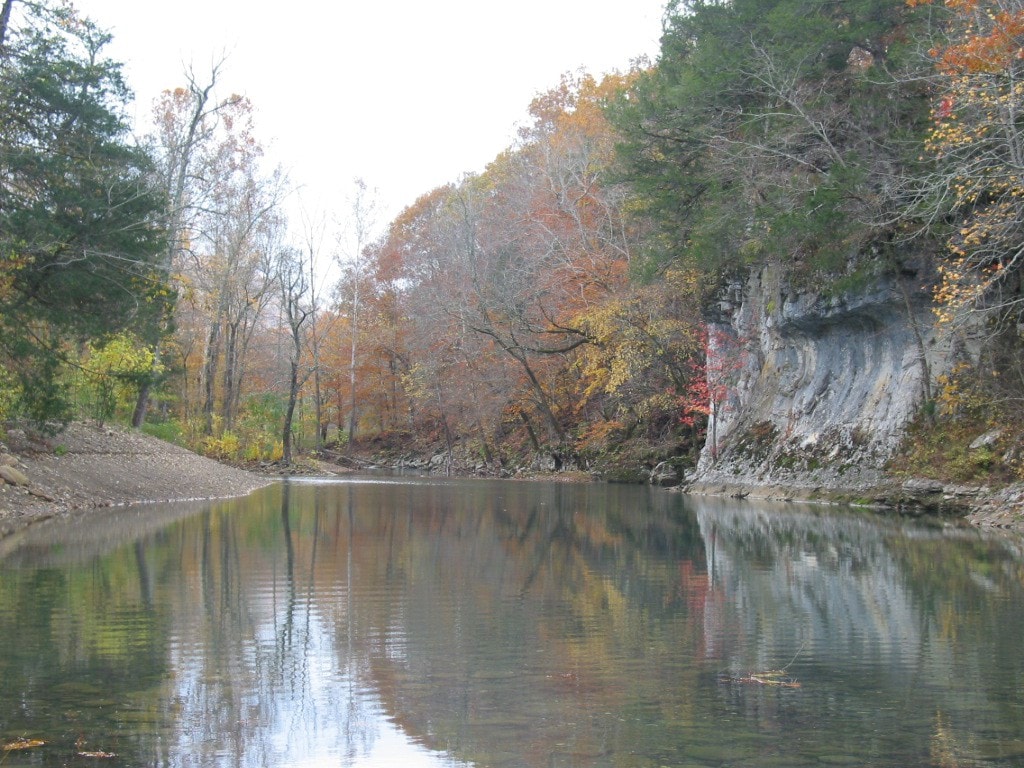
(774, 130)
(78, 244)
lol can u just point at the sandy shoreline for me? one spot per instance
(88, 467)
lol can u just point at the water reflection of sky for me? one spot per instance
(300, 686)
(393, 622)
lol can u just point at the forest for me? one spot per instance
(551, 310)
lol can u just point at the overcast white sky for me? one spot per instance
(407, 94)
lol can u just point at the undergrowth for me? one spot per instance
(940, 450)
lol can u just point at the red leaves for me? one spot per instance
(710, 385)
(945, 108)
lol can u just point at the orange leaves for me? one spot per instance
(990, 37)
(975, 140)
(987, 52)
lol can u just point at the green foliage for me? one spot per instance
(771, 130)
(972, 400)
(77, 233)
(43, 397)
(757, 441)
(260, 426)
(940, 449)
(10, 394)
(168, 431)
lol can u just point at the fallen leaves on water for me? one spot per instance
(23, 744)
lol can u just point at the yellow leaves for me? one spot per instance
(975, 138)
(110, 372)
(645, 344)
(121, 355)
(10, 265)
(958, 391)
(10, 392)
(416, 382)
(226, 446)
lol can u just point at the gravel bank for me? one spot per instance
(87, 466)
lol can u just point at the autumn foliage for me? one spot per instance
(976, 142)
(555, 302)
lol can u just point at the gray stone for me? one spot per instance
(966, 491)
(922, 485)
(13, 476)
(822, 394)
(665, 475)
(987, 440)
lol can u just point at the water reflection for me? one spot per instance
(455, 623)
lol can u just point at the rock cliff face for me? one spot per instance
(816, 389)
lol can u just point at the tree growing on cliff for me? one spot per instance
(771, 131)
(977, 141)
(714, 378)
(974, 195)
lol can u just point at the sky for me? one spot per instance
(407, 95)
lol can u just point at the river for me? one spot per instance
(426, 622)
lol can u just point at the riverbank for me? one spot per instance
(88, 467)
(978, 506)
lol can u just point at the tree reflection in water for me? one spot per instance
(444, 623)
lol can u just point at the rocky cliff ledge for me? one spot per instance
(817, 389)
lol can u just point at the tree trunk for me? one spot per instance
(922, 352)
(142, 403)
(353, 355)
(293, 396)
(542, 399)
(5, 18)
(210, 375)
(529, 431)
(448, 445)
(230, 374)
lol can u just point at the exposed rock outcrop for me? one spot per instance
(820, 387)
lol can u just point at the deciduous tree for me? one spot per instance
(978, 145)
(186, 121)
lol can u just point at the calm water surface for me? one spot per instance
(468, 623)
